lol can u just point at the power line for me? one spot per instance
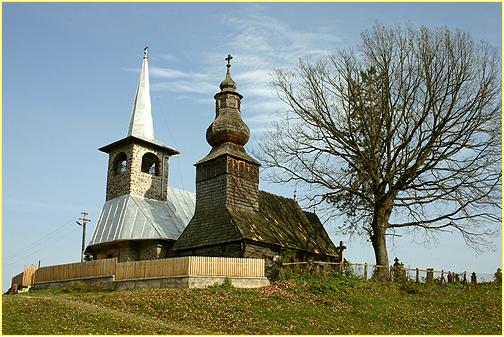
(42, 238)
(40, 247)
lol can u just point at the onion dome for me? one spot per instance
(228, 84)
(228, 127)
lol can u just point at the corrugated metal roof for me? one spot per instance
(130, 217)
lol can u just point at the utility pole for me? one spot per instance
(83, 225)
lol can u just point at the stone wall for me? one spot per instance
(133, 180)
(98, 282)
(159, 282)
(119, 183)
(128, 251)
(151, 250)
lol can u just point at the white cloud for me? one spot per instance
(131, 70)
(260, 119)
(167, 73)
(269, 107)
(268, 42)
(167, 57)
(259, 131)
(181, 86)
(170, 73)
(254, 75)
(259, 44)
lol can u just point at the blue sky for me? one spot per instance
(69, 77)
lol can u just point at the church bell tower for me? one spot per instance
(227, 180)
(138, 164)
(227, 177)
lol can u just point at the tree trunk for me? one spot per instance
(378, 239)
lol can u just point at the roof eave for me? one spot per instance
(132, 139)
(119, 241)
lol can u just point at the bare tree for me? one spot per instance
(402, 133)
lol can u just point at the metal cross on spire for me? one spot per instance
(228, 59)
(145, 51)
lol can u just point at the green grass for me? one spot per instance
(304, 305)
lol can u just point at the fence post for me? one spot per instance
(417, 275)
(365, 271)
(391, 271)
(430, 275)
(474, 281)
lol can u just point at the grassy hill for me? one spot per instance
(304, 305)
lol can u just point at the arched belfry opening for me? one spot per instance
(120, 163)
(150, 164)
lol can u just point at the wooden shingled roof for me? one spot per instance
(280, 221)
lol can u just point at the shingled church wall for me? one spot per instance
(227, 182)
(232, 249)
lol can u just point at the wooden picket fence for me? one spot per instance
(180, 266)
(98, 268)
(24, 279)
(152, 268)
(232, 267)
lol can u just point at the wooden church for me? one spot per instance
(229, 216)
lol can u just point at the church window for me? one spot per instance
(120, 163)
(150, 164)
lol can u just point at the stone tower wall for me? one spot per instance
(134, 181)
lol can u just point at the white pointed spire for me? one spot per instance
(141, 115)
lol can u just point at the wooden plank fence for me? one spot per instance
(232, 267)
(24, 279)
(62, 272)
(180, 266)
(152, 268)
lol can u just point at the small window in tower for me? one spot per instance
(120, 163)
(150, 164)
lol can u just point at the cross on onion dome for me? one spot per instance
(228, 59)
